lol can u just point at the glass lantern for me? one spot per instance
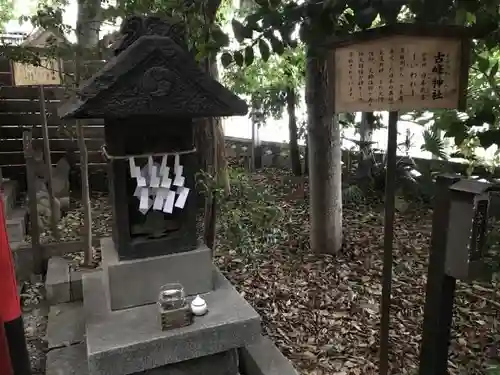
(171, 297)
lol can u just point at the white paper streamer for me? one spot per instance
(156, 189)
(169, 202)
(179, 180)
(181, 200)
(177, 163)
(166, 182)
(145, 202)
(164, 170)
(154, 181)
(132, 167)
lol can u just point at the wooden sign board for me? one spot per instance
(400, 73)
(45, 74)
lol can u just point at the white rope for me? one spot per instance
(112, 157)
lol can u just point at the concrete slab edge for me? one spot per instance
(264, 358)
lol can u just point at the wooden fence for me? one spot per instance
(6, 75)
(20, 111)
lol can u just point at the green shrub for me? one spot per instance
(249, 218)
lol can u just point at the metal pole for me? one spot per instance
(390, 191)
(440, 289)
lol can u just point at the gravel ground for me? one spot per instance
(71, 223)
(35, 312)
(35, 308)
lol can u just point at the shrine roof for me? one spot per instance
(401, 29)
(153, 76)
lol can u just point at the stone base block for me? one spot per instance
(72, 360)
(129, 341)
(63, 283)
(22, 254)
(264, 358)
(66, 325)
(225, 363)
(9, 195)
(75, 286)
(57, 282)
(137, 282)
(16, 225)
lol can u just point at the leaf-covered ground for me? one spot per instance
(322, 311)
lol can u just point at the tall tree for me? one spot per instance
(272, 85)
(88, 26)
(6, 12)
(274, 22)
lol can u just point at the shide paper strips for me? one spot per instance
(155, 188)
(181, 200)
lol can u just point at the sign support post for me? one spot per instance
(400, 68)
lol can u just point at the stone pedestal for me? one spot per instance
(131, 340)
(137, 282)
(89, 338)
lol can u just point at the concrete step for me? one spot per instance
(9, 195)
(71, 360)
(263, 358)
(16, 224)
(66, 325)
(63, 283)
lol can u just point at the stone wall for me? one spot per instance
(276, 154)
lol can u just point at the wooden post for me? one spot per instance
(32, 205)
(84, 167)
(390, 192)
(440, 288)
(48, 163)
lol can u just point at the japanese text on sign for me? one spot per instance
(398, 74)
(45, 74)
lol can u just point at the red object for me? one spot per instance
(10, 305)
(5, 364)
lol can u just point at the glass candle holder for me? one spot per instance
(171, 297)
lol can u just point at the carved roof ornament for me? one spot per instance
(152, 73)
(136, 26)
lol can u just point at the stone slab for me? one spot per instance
(75, 286)
(264, 358)
(57, 282)
(137, 282)
(22, 254)
(128, 341)
(71, 360)
(225, 363)
(66, 325)
(16, 225)
(9, 195)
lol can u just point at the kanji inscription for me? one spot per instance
(398, 74)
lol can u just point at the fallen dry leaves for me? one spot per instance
(323, 311)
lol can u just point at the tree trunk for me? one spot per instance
(325, 164)
(365, 136)
(210, 140)
(306, 157)
(291, 104)
(87, 31)
(256, 151)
